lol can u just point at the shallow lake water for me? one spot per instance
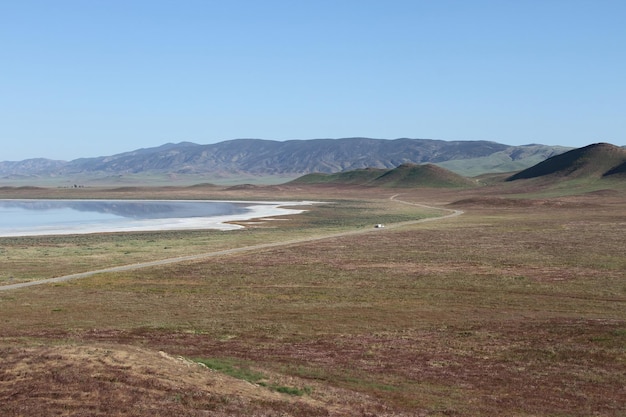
(36, 217)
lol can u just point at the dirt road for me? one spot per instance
(451, 213)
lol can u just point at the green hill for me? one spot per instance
(404, 176)
(596, 161)
(427, 175)
(356, 177)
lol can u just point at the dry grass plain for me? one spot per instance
(515, 308)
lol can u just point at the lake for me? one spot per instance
(40, 217)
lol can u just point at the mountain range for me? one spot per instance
(257, 157)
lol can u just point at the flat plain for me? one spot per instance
(517, 307)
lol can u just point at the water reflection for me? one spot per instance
(22, 217)
(131, 209)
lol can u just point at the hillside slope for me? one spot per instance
(427, 175)
(596, 161)
(357, 177)
(514, 158)
(120, 380)
(403, 176)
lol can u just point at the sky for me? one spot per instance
(87, 78)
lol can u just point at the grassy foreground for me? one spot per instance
(517, 308)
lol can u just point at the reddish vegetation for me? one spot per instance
(516, 308)
(115, 380)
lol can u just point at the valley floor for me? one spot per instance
(517, 308)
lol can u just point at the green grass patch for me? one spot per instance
(241, 370)
(231, 367)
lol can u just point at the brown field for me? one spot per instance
(515, 308)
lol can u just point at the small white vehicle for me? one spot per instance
(379, 226)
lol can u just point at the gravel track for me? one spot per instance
(130, 267)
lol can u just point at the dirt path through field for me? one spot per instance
(451, 213)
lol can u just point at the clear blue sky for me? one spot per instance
(81, 78)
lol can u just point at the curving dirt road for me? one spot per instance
(452, 213)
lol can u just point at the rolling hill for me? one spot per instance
(596, 161)
(404, 176)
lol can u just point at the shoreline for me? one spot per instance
(255, 211)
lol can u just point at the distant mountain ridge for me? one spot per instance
(293, 157)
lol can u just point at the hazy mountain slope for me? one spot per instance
(295, 156)
(514, 158)
(28, 167)
(267, 157)
(594, 161)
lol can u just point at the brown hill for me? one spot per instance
(619, 170)
(593, 162)
(403, 176)
(427, 175)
